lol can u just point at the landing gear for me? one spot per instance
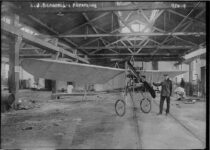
(120, 107)
(145, 105)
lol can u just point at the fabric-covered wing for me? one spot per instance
(156, 75)
(69, 71)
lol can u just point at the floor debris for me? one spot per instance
(27, 128)
(94, 125)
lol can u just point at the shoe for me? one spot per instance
(167, 114)
(159, 114)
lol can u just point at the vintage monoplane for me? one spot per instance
(128, 79)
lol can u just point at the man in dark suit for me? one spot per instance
(166, 90)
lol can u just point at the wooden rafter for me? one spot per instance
(100, 37)
(189, 18)
(36, 56)
(54, 32)
(127, 47)
(180, 23)
(139, 54)
(186, 41)
(133, 34)
(108, 45)
(138, 46)
(95, 30)
(125, 24)
(197, 16)
(100, 60)
(175, 36)
(23, 12)
(9, 29)
(151, 25)
(88, 22)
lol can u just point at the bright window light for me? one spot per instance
(125, 30)
(153, 14)
(135, 27)
(26, 29)
(147, 30)
(142, 26)
(6, 20)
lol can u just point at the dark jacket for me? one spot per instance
(182, 84)
(166, 86)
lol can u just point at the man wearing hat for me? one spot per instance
(166, 90)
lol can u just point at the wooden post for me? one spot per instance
(54, 82)
(126, 82)
(14, 68)
(190, 78)
(13, 79)
(85, 95)
(57, 55)
(75, 52)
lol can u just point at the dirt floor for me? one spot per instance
(93, 124)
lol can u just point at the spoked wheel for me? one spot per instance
(120, 107)
(145, 105)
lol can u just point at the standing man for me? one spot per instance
(182, 83)
(166, 90)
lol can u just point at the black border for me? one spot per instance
(207, 42)
(207, 71)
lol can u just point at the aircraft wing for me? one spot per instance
(155, 75)
(70, 71)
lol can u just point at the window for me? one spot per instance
(136, 27)
(6, 20)
(125, 30)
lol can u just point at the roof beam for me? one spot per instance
(36, 56)
(127, 47)
(198, 15)
(88, 22)
(133, 34)
(100, 37)
(151, 25)
(106, 60)
(95, 30)
(180, 23)
(142, 46)
(136, 57)
(108, 45)
(37, 42)
(130, 42)
(23, 12)
(54, 32)
(128, 16)
(191, 19)
(121, 19)
(186, 41)
(129, 54)
(139, 46)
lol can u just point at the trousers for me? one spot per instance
(162, 99)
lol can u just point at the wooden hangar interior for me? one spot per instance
(160, 36)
